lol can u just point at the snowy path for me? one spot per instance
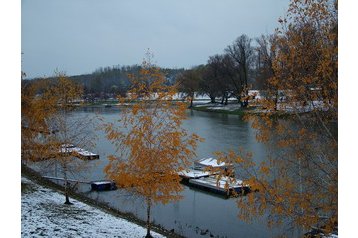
(43, 214)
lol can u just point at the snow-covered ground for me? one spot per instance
(44, 214)
(218, 106)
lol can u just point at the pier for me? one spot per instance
(223, 186)
(78, 152)
(201, 177)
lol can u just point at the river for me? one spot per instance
(198, 214)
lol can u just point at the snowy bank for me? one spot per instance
(44, 214)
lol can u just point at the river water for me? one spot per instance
(198, 214)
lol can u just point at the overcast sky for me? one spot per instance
(79, 36)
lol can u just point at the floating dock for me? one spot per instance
(223, 186)
(204, 176)
(78, 152)
(102, 185)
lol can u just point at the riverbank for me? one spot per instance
(231, 108)
(86, 205)
(236, 109)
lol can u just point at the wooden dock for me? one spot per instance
(78, 152)
(204, 177)
(223, 186)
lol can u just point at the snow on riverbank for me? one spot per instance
(44, 214)
(218, 106)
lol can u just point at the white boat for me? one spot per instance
(193, 174)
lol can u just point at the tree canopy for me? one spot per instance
(151, 144)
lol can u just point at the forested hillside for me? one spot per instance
(107, 82)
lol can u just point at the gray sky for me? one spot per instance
(79, 36)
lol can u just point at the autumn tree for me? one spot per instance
(49, 129)
(151, 144)
(37, 106)
(298, 183)
(70, 131)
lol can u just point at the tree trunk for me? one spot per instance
(67, 197)
(66, 185)
(148, 219)
(276, 101)
(192, 99)
(212, 99)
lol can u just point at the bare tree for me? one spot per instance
(242, 52)
(189, 83)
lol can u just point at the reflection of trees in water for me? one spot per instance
(298, 180)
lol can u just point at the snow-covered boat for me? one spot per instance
(192, 174)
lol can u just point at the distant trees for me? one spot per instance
(109, 82)
(228, 75)
(189, 83)
(265, 56)
(241, 52)
(209, 83)
(100, 83)
(151, 144)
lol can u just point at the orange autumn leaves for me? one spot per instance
(299, 182)
(151, 143)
